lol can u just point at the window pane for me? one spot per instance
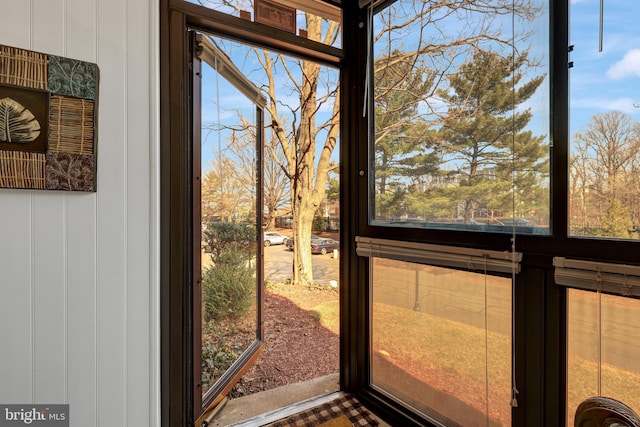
(461, 116)
(615, 353)
(605, 127)
(229, 222)
(441, 341)
(313, 19)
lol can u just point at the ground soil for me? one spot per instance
(297, 347)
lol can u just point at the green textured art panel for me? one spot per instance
(72, 77)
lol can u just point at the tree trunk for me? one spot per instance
(308, 180)
(302, 266)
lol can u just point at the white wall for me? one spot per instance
(77, 276)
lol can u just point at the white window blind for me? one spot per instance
(440, 255)
(597, 276)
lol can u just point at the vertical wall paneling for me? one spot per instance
(81, 43)
(49, 241)
(154, 214)
(16, 312)
(16, 352)
(15, 27)
(75, 283)
(81, 31)
(49, 297)
(81, 308)
(47, 26)
(112, 225)
(138, 183)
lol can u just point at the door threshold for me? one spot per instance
(281, 413)
(238, 410)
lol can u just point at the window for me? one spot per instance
(603, 331)
(605, 120)
(603, 348)
(440, 336)
(460, 102)
(230, 162)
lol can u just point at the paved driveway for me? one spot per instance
(278, 264)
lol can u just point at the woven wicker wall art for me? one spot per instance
(48, 121)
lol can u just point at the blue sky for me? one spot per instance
(217, 91)
(221, 102)
(607, 80)
(599, 81)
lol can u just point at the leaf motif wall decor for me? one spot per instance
(24, 119)
(48, 116)
(17, 123)
(71, 77)
(69, 172)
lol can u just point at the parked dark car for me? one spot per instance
(322, 246)
(290, 242)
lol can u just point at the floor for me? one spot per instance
(269, 406)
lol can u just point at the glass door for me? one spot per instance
(227, 200)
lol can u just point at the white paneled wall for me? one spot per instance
(77, 270)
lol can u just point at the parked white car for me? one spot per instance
(274, 238)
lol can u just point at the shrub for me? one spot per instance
(318, 224)
(229, 242)
(228, 287)
(228, 290)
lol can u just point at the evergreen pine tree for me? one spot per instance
(483, 134)
(403, 138)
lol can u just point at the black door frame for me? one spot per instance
(178, 182)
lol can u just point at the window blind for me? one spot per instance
(597, 276)
(440, 255)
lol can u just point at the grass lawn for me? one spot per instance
(451, 356)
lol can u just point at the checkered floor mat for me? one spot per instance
(315, 417)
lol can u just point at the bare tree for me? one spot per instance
(229, 184)
(604, 165)
(436, 37)
(276, 185)
(298, 149)
(299, 139)
(226, 193)
(242, 150)
(276, 189)
(296, 90)
(579, 182)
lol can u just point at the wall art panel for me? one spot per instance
(48, 121)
